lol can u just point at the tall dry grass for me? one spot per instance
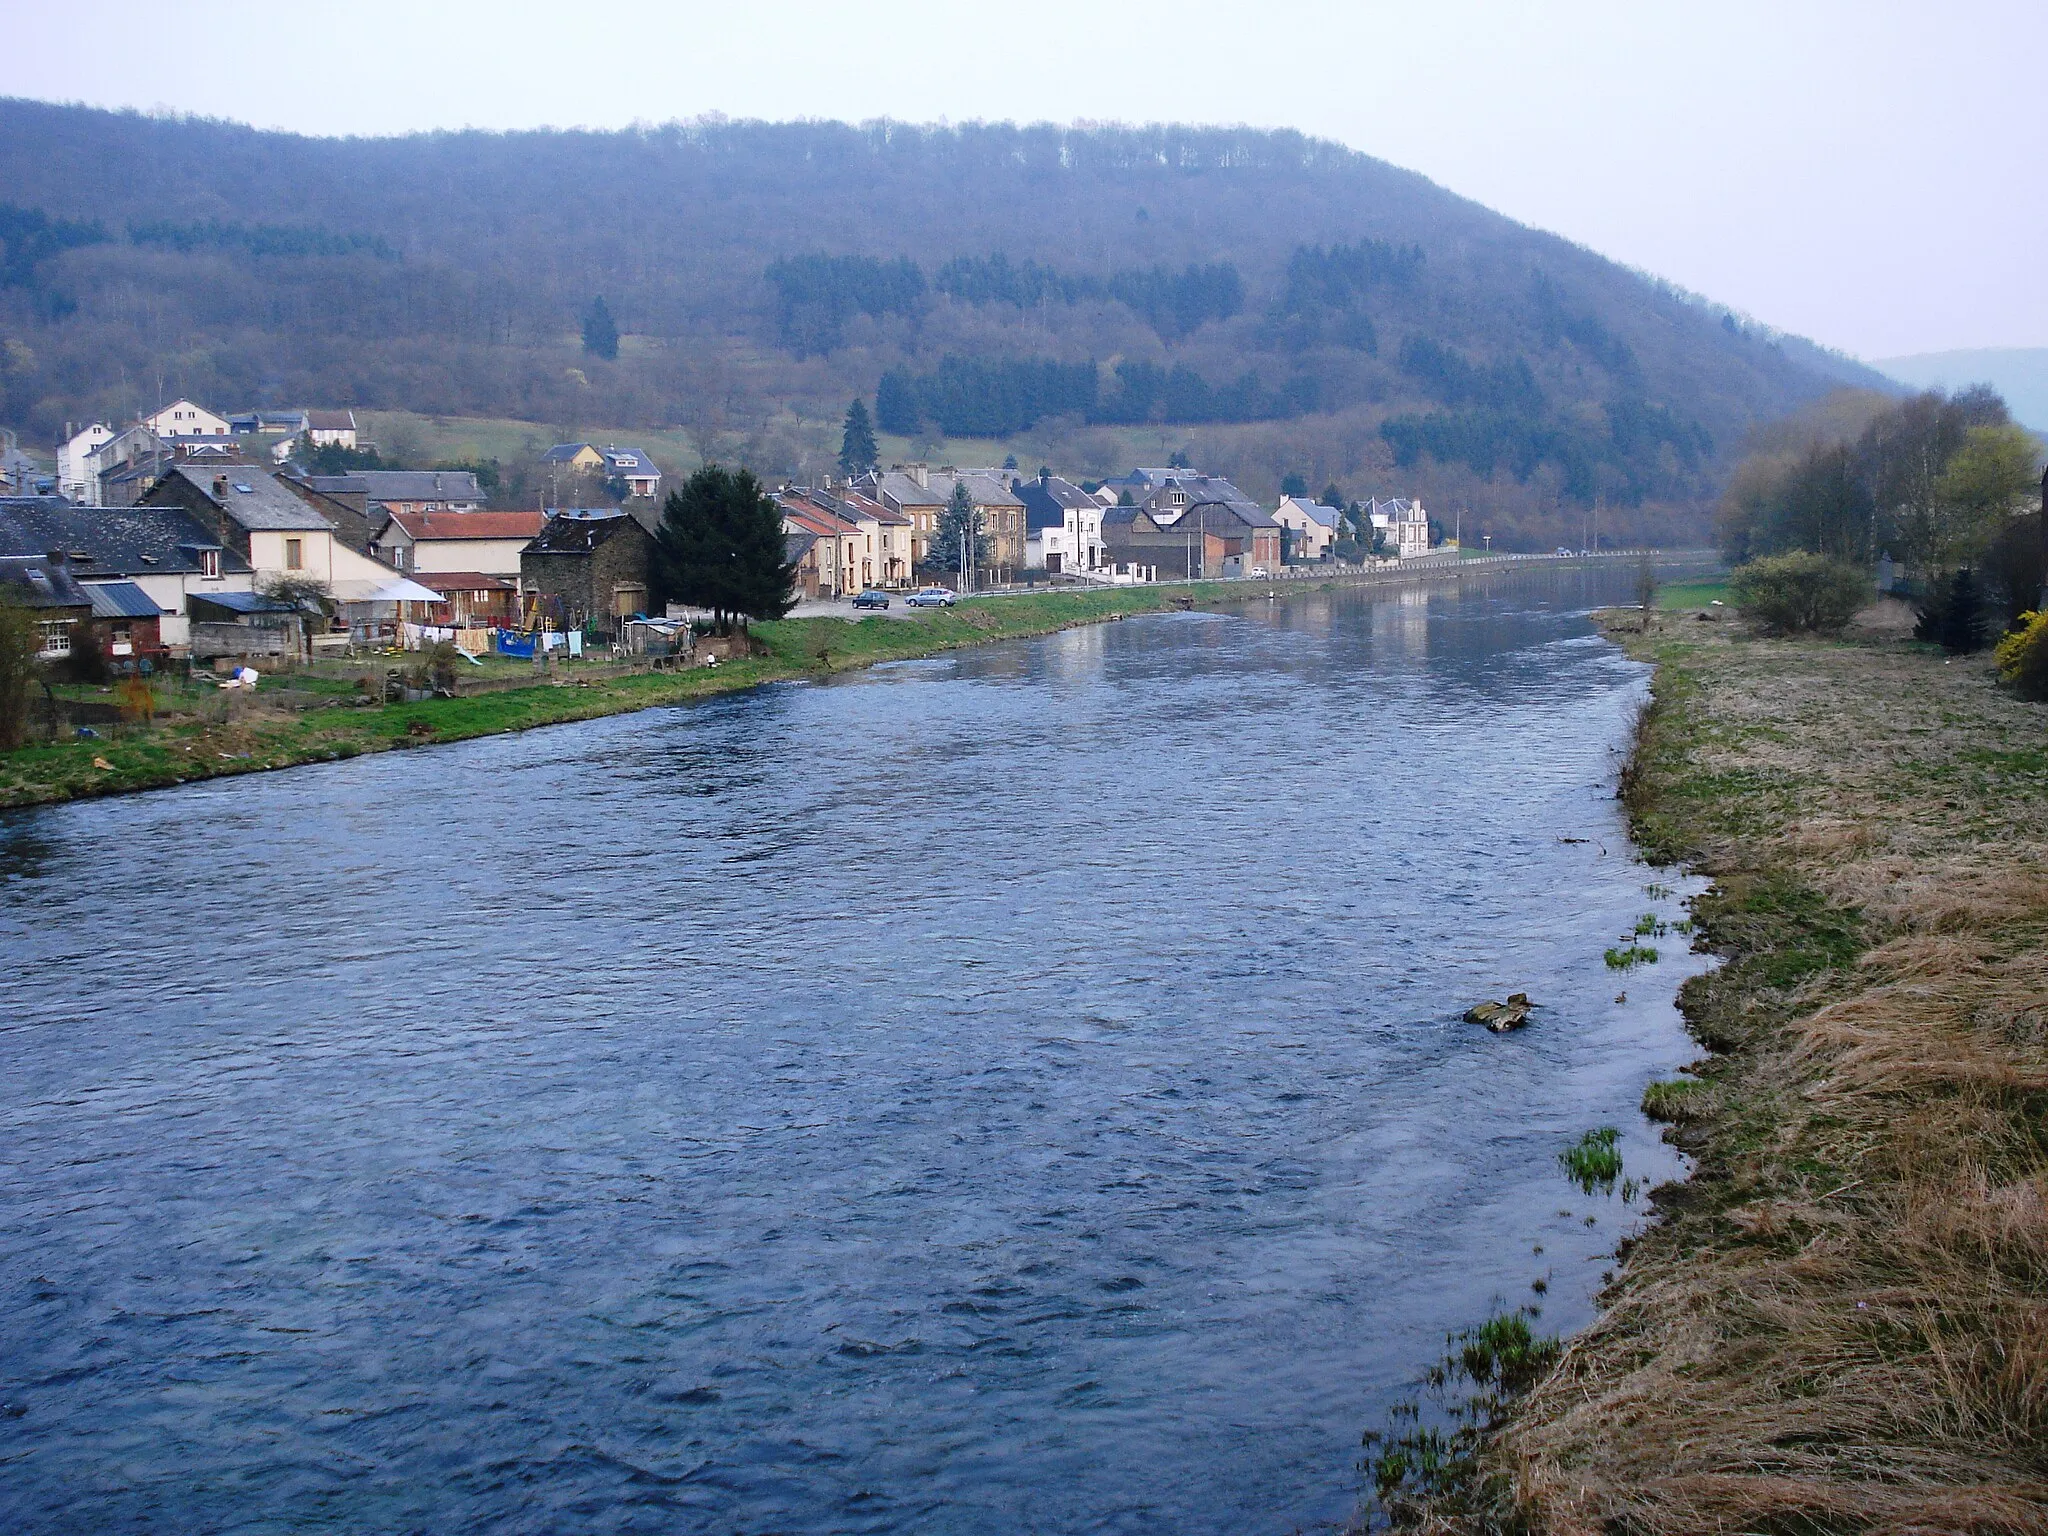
(1841, 1323)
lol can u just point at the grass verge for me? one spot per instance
(258, 736)
(1840, 1323)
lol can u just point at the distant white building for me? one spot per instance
(1402, 526)
(1063, 526)
(76, 481)
(181, 420)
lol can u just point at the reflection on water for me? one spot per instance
(1019, 1090)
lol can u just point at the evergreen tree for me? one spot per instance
(960, 530)
(857, 442)
(600, 332)
(1294, 485)
(1332, 497)
(1953, 615)
(721, 547)
(896, 407)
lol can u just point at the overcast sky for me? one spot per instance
(1869, 174)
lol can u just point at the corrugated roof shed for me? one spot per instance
(120, 600)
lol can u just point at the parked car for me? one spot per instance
(1563, 553)
(929, 597)
(1261, 573)
(870, 599)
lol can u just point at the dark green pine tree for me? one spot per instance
(1332, 497)
(857, 442)
(896, 407)
(600, 331)
(1953, 614)
(959, 531)
(720, 546)
(1294, 485)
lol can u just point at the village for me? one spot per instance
(195, 539)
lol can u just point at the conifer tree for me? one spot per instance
(600, 332)
(960, 531)
(857, 442)
(721, 547)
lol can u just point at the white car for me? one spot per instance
(1260, 573)
(929, 597)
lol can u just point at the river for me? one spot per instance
(1021, 1090)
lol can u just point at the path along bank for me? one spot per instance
(1841, 1322)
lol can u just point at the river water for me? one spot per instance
(1022, 1090)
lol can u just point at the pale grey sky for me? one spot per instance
(1865, 174)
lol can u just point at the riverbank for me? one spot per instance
(1841, 1321)
(251, 734)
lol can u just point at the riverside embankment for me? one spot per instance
(250, 734)
(1841, 1322)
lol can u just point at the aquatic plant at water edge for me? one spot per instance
(1412, 1465)
(1593, 1161)
(1631, 956)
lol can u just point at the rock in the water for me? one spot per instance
(1501, 1017)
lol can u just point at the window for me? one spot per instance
(294, 554)
(209, 564)
(56, 637)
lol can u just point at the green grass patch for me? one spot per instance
(1676, 1102)
(1593, 1161)
(1691, 594)
(1630, 956)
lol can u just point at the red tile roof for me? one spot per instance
(469, 525)
(460, 581)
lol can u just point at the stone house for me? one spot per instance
(589, 564)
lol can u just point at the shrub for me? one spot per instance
(2023, 656)
(1799, 593)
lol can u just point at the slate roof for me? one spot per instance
(796, 545)
(577, 531)
(562, 453)
(331, 421)
(468, 525)
(121, 541)
(628, 461)
(410, 484)
(1315, 511)
(120, 600)
(1047, 501)
(34, 581)
(904, 490)
(253, 499)
(986, 488)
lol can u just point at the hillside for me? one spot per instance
(1266, 302)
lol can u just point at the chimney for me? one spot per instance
(922, 474)
(220, 487)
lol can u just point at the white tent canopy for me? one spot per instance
(394, 589)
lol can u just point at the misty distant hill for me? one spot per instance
(1265, 301)
(2018, 373)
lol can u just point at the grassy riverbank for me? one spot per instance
(1841, 1323)
(243, 734)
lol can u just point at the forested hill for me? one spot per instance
(1265, 301)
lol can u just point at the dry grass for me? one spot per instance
(1842, 1323)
